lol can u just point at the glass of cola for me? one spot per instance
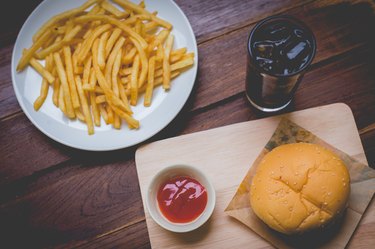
(280, 49)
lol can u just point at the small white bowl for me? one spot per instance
(168, 173)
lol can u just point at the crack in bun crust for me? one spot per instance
(299, 187)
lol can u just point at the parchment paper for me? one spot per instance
(335, 236)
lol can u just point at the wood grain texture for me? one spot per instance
(95, 200)
(8, 99)
(124, 238)
(52, 195)
(226, 166)
(213, 18)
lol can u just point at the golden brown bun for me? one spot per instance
(299, 187)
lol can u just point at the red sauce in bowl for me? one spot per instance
(182, 199)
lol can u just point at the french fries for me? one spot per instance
(100, 58)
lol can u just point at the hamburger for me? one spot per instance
(300, 187)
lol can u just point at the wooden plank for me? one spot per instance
(90, 203)
(25, 150)
(225, 155)
(213, 18)
(135, 236)
(368, 141)
(8, 101)
(222, 62)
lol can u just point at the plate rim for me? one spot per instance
(88, 147)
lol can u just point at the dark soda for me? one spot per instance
(280, 48)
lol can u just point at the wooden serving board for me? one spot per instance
(225, 155)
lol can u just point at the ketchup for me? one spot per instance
(182, 199)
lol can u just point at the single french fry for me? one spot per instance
(110, 114)
(59, 30)
(176, 66)
(94, 10)
(123, 96)
(64, 84)
(166, 65)
(99, 99)
(143, 31)
(79, 115)
(41, 70)
(151, 26)
(132, 123)
(29, 53)
(87, 33)
(144, 62)
(103, 113)
(150, 82)
(101, 53)
(115, 70)
(61, 100)
(114, 21)
(111, 41)
(160, 53)
(70, 76)
(137, 26)
(179, 51)
(94, 109)
(50, 40)
(133, 19)
(44, 89)
(92, 79)
(113, 10)
(142, 4)
(85, 107)
(74, 58)
(134, 81)
(86, 71)
(56, 89)
(136, 8)
(68, 27)
(188, 55)
(176, 55)
(65, 15)
(182, 64)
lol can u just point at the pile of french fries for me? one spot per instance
(99, 58)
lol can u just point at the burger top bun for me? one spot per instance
(299, 187)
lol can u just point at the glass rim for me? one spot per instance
(285, 17)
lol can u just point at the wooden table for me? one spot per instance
(52, 195)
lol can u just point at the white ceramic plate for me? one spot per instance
(50, 120)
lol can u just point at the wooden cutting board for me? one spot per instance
(225, 154)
